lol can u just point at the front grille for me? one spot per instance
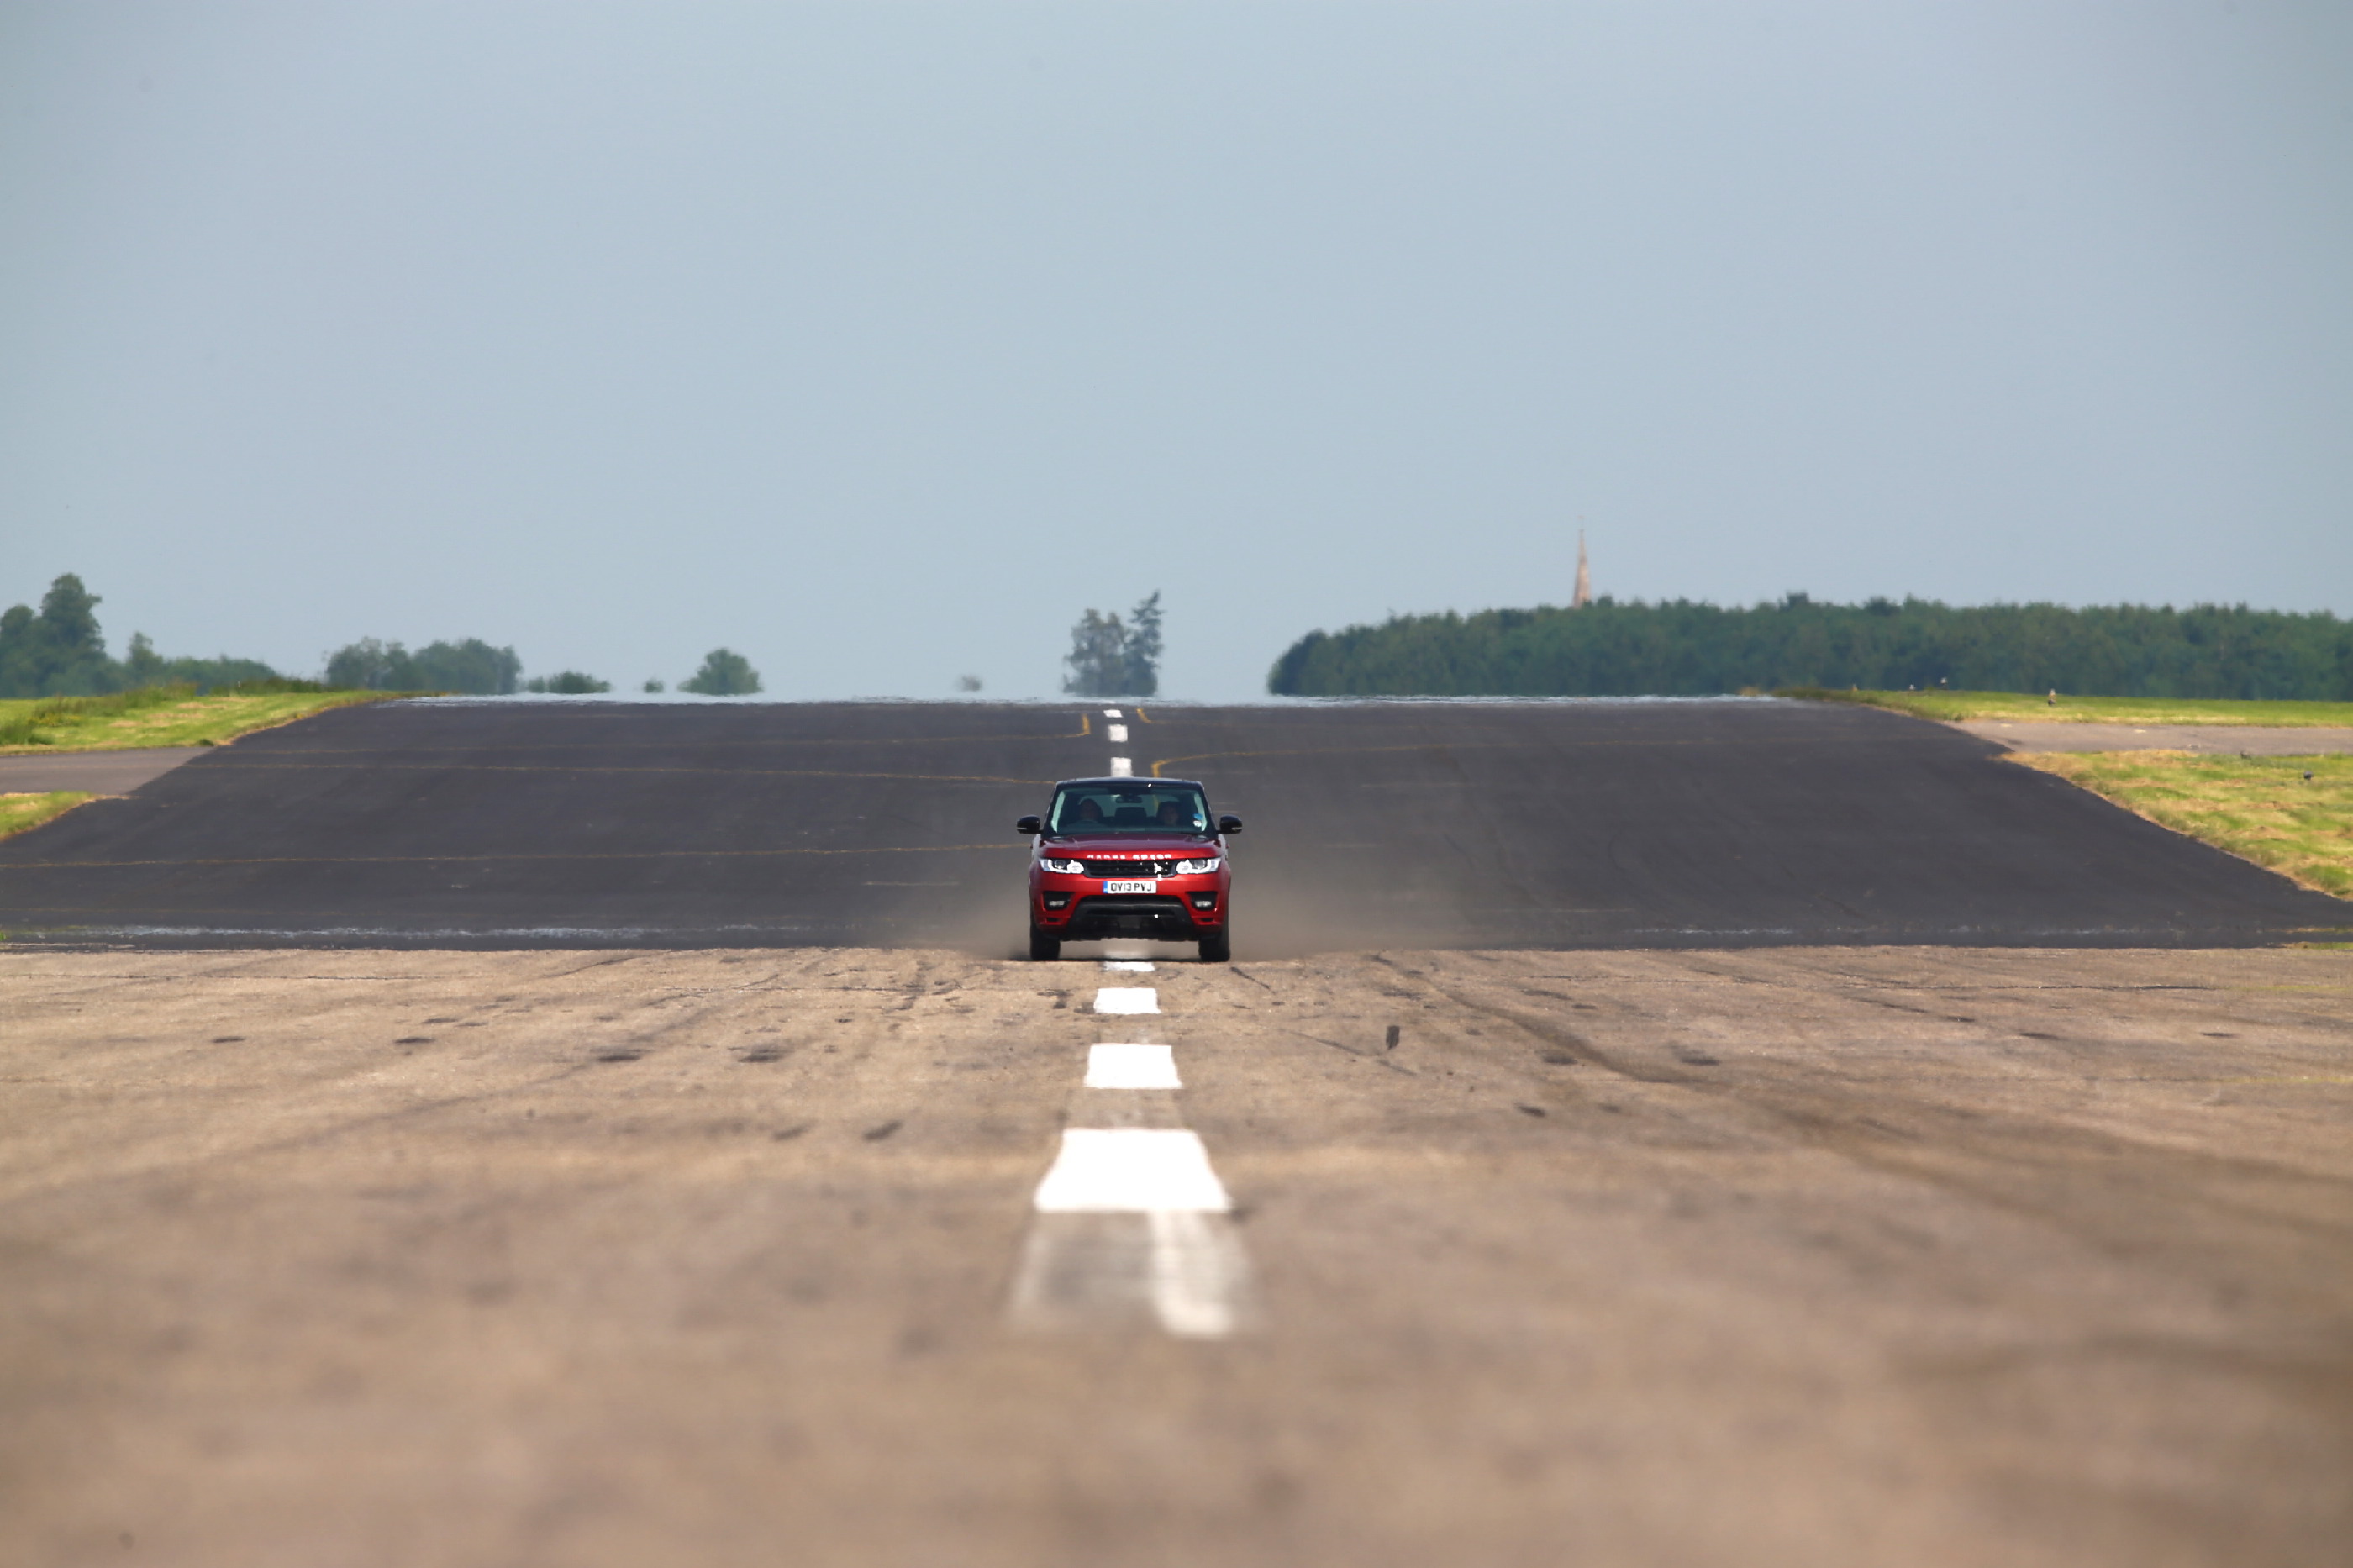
(1130, 867)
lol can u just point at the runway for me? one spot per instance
(1825, 1258)
(1664, 824)
(1710, 1135)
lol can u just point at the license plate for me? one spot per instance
(1131, 887)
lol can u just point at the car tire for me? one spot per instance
(1217, 948)
(1045, 947)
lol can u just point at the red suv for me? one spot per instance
(1137, 858)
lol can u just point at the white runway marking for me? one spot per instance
(1128, 965)
(1132, 1066)
(1115, 733)
(1122, 767)
(1113, 713)
(1127, 999)
(1200, 1276)
(1186, 1273)
(1132, 1225)
(1131, 1170)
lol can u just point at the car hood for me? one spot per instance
(1130, 846)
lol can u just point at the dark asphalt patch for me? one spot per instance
(1735, 823)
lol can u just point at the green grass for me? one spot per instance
(2260, 808)
(160, 716)
(2038, 708)
(19, 812)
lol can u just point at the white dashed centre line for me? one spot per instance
(1128, 965)
(1132, 1066)
(1113, 713)
(1122, 767)
(1132, 1170)
(1115, 733)
(1132, 1225)
(1127, 999)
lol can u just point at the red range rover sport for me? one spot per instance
(1139, 858)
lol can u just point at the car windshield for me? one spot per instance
(1146, 805)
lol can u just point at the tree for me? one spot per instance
(70, 619)
(59, 651)
(568, 683)
(472, 666)
(368, 664)
(142, 664)
(1098, 657)
(1142, 658)
(1108, 659)
(725, 673)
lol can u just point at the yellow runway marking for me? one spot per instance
(1328, 751)
(1426, 746)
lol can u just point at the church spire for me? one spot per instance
(1584, 595)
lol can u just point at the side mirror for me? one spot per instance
(1029, 825)
(1230, 825)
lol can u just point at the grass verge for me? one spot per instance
(19, 812)
(2260, 808)
(2030, 708)
(158, 716)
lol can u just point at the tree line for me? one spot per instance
(1681, 647)
(58, 651)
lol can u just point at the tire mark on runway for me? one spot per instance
(9, 866)
(574, 769)
(1375, 1058)
(699, 744)
(1558, 1036)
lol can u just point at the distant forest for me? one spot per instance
(473, 667)
(1681, 648)
(58, 651)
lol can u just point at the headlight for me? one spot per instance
(1068, 867)
(1196, 868)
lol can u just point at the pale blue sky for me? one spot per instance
(878, 341)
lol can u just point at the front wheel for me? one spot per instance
(1217, 948)
(1045, 947)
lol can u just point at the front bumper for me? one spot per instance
(1167, 917)
(1180, 909)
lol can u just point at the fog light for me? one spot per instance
(1058, 900)
(1205, 900)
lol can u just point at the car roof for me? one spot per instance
(1127, 784)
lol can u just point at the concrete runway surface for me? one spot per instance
(1805, 1255)
(1652, 824)
(100, 772)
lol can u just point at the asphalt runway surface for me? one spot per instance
(1690, 824)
